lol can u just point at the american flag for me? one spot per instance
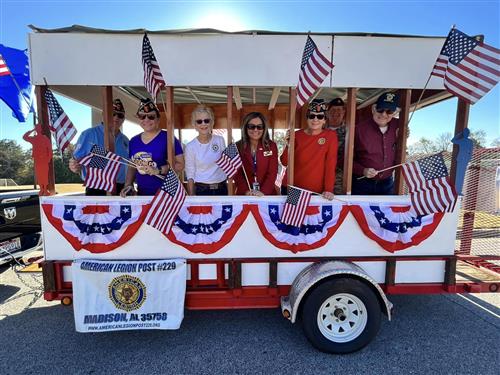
(295, 207)
(61, 125)
(102, 168)
(4, 69)
(313, 71)
(279, 177)
(429, 185)
(153, 79)
(166, 203)
(469, 67)
(230, 160)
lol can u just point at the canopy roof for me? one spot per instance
(200, 63)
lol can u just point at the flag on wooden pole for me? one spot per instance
(470, 68)
(166, 203)
(295, 207)
(429, 185)
(153, 79)
(102, 168)
(314, 68)
(62, 127)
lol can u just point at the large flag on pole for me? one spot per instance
(62, 127)
(102, 168)
(470, 68)
(166, 203)
(429, 185)
(295, 207)
(314, 68)
(153, 79)
(230, 160)
(16, 89)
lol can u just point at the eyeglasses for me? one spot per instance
(253, 127)
(119, 115)
(312, 116)
(205, 120)
(388, 111)
(150, 117)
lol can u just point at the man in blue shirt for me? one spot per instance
(95, 136)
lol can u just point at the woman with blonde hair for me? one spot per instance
(203, 175)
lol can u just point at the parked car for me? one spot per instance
(20, 230)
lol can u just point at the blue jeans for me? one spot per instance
(369, 186)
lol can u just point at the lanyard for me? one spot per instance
(254, 164)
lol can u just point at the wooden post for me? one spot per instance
(405, 102)
(291, 128)
(43, 118)
(461, 122)
(349, 140)
(107, 116)
(170, 125)
(229, 127)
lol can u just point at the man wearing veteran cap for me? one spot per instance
(375, 148)
(148, 151)
(336, 122)
(95, 136)
(315, 153)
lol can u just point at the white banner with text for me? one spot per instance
(125, 295)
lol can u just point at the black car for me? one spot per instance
(19, 223)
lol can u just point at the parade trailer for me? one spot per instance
(335, 273)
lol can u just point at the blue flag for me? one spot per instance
(17, 63)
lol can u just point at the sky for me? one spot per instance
(422, 17)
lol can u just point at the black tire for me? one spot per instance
(350, 316)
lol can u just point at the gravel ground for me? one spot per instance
(444, 334)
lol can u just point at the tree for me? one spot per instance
(12, 159)
(495, 142)
(443, 142)
(478, 137)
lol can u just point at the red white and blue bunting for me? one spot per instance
(207, 228)
(394, 227)
(320, 224)
(98, 228)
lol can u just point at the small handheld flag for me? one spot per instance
(230, 160)
(166, 203)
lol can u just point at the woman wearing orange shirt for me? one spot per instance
(315, 154)
(259, 156)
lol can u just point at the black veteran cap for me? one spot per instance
(337, 102)
(147, 106)
(317, 105)
(118, 106)
(388, 100)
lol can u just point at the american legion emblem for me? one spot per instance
(127, 292)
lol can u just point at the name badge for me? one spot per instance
(268, 153)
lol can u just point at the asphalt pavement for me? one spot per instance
(440, 334)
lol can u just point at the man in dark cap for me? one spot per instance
(375, 148)
(336, 122)
(95, 136)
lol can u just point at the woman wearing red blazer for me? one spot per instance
(259, 156)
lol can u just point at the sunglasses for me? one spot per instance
(388, 111)
(205, 120)
(119, 115)
(253, 127)
(313, 116)
(150, 117)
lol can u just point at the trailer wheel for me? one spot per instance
(341, 316)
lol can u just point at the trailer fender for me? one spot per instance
(315, 273)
